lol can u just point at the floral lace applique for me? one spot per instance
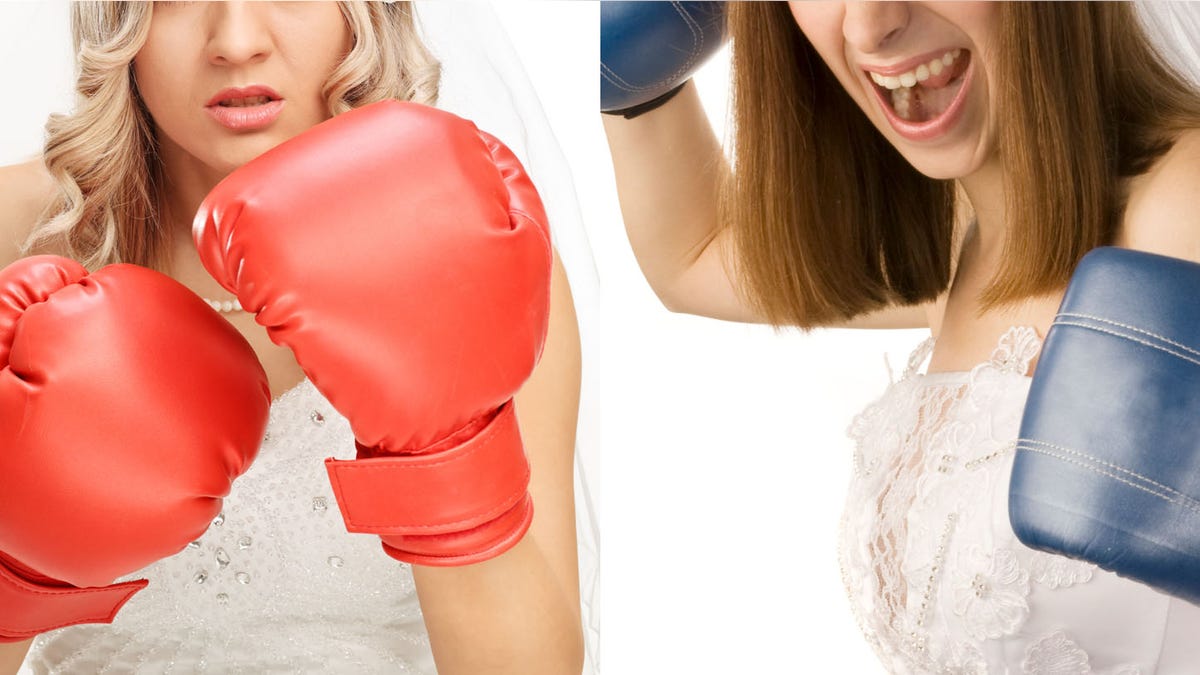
(964, 658)
(990, 592)
(990, 385)
(1057, 571)
(1055, 654)
(1014, 353)
(862, 423)
(918, 356)
(1017, 349)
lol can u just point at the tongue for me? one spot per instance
(926, 100)
(927, 104)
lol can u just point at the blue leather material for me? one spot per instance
(1107, 467)
(649, 48)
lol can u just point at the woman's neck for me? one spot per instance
(186, 181)
(985, 190)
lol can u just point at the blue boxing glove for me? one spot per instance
(1108, 460)
(648, 50)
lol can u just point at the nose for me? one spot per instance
(873, 26)
(237, 33)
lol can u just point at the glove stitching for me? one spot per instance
(697, 34)
(123, 592)
(66, 591)
(1134, 339)
(1133, 328)
(633, 88)
(1184, 501)
(1104, 463)
(1103, 473)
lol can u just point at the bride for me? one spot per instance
(276, 582)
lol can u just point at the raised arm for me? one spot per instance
(670, 166)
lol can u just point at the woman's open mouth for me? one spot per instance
(924, 102)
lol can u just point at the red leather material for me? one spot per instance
(27, 282)
(468, 485)
(404, 257)
(127, 408)
(464, 548)
(31, 607)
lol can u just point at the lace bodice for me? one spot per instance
(276, 584)
(935, 575)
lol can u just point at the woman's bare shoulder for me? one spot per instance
(25, 191)
(1160, 214)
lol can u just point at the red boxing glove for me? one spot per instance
(127, 408)
(404, 257)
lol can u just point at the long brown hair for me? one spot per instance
(831, 221)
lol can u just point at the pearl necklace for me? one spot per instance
(226, 306)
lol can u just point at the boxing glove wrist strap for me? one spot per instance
(643, 108)
(446, 492)
(30, 607)
(464, 548)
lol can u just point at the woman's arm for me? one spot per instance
(15, 212)
(519, 613)
(15, 216)
(669, 168)
(22, 194)
(12, 655)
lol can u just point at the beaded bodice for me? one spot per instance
(276, 584)
(937, 579)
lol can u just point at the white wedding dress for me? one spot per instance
(276, 584)
(935, 575)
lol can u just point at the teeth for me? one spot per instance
(886, 81)
(245, 102)
(919, 74)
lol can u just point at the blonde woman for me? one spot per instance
(940, 165)
(276, 583)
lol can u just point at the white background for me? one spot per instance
(725, 457)
(724, 452)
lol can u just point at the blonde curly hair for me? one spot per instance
(103, 156)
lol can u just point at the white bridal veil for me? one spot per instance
(483, 80)
(1175, 28)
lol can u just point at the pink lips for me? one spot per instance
(247, 118)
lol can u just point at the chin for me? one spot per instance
(941, 171)
(236, 151)
(950, 163)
